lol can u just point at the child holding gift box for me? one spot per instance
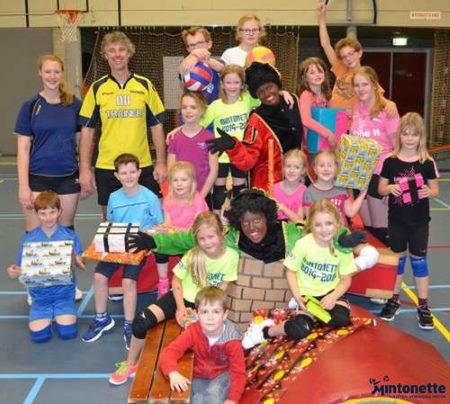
(409, 212)
(50, 302)
(314, 92)
(219, 368)
(371, 121)
(210, 262)
(133, 203)
(325, 168)
(314, 268)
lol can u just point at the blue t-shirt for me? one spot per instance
(143, 208)
(38, 235)
(53, 129)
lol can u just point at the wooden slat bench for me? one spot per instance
(149, 384)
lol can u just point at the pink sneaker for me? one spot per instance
(123, 373)
(163, 287)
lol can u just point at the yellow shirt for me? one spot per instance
(124, 113)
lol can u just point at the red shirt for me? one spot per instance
(209, 361)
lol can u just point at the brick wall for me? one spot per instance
(258, 286)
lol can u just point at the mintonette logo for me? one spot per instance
(407, 391)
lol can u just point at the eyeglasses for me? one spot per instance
(195, 45)
(248, 31)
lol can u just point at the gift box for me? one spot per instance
(334, 119)
(357, 158)
(410, 187)
(111, 237)
(114, 257)
(47, 263)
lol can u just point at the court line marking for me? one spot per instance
(87, 297)
(440, 201)
(83, 316)
(22, 376)
(437, 323)
(34, 391)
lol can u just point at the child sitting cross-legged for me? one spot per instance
(56, 301)
(219, 369)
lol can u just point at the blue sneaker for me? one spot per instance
(127, 334)
(97, 328)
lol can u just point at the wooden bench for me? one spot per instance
(149, 384)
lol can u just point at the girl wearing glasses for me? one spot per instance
(249, 32)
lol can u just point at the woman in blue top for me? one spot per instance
(47, 133)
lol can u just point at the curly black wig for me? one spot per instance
(254, 201)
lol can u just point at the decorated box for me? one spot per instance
(334, 119)
(410, 187)
(47, 263)
(111, 237)
(357, 159)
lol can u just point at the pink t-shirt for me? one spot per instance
(379, 128)
(193, 150)
(182, 216)
(308, 100)
(292, 201)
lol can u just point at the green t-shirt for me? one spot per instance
(219, 270)
(231, 118)
(318, 270)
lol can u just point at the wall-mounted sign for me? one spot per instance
(425, 15)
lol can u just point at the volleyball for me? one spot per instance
(260, 54)
(198, 78)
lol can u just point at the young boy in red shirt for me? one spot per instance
(219, 368)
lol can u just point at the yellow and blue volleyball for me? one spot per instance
(198, 78)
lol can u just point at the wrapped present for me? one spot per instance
(111, 237)
(357, 158)
(410, 187)
(126, 258)
(334, 119)
(47, 263)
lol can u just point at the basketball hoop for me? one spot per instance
(68, 20)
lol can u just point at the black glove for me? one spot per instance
(142, 322)
(140, 241)
(353, 239)
(220, 144)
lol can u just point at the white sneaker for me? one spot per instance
(254, 334)
(293, 305)
(78, 294)
(377, 300)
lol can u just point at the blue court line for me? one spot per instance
(60, 376)
(85, 301)
(22, 317)
(446, 205)
(32, 394)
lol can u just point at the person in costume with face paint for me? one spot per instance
(273, 128)
(253, 229)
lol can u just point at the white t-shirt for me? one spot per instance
(234, 56)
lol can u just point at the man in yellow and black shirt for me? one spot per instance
(125, 104)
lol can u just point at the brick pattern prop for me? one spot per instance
(47, 263)
(259, 286)
(334, 119)
(357, 159)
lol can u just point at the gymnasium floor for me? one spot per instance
(76, 372)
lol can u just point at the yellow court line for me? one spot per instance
(439, 209)
(444, 179)
(2, 181)
(441, 327)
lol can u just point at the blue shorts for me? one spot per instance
(51, 301)
(109, 268)
(61, 185)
